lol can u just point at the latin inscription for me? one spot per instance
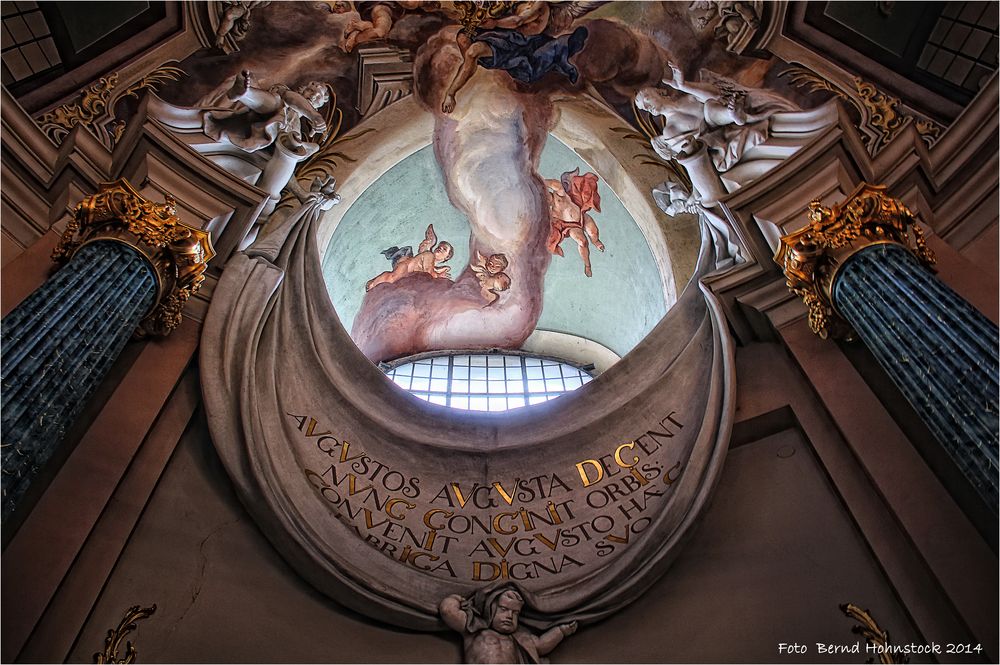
(508, 528)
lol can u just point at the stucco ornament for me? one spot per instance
(672, 198)
(389, 504)
(260, 117)
(726, 117)
(489, 622)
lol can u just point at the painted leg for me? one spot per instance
(584, 247)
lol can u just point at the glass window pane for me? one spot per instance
(493, 382)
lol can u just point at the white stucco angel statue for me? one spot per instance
(716, 111)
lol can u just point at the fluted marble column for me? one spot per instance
(58, 345)
(130, 266)
(863, 270)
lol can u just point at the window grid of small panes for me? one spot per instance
(493, 382)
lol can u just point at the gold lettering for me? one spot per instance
(585, 475)
(499, 529)
(638, 476)
(667, 479)
(434, 511)
(502, 551)
(618, 455)
(477, 571)
(312, 427)
(343, 453)
(551, 544)
(506, 497)
(393, 502)
(458, 495)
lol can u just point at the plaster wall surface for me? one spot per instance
(775, 554)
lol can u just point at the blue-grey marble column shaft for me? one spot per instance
(939, 350)
(57, 347)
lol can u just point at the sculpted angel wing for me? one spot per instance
(562, 14)
(429, 239)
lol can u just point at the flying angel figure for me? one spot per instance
(525, 39)
(491, 276)
(426, 260)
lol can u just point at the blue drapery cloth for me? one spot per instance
(527, 58)
(57, 347)
(939, 350)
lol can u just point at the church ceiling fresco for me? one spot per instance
(495, 76)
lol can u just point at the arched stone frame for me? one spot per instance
(287, 392)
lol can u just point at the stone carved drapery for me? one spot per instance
(384, 502)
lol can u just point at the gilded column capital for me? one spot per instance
(178, 253)
(811, 256)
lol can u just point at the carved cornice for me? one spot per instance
(811, 256)
(115, 636)
(178, 253)
(96, 107)
(882, 117)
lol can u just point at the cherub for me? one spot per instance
(525, 39)
(723, 115)
(381, 17)
(570, 198)
(261, 115)
(426, 260)
(235, 19)
(489, 622)
(491, 275)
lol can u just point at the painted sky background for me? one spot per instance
(616, 307)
